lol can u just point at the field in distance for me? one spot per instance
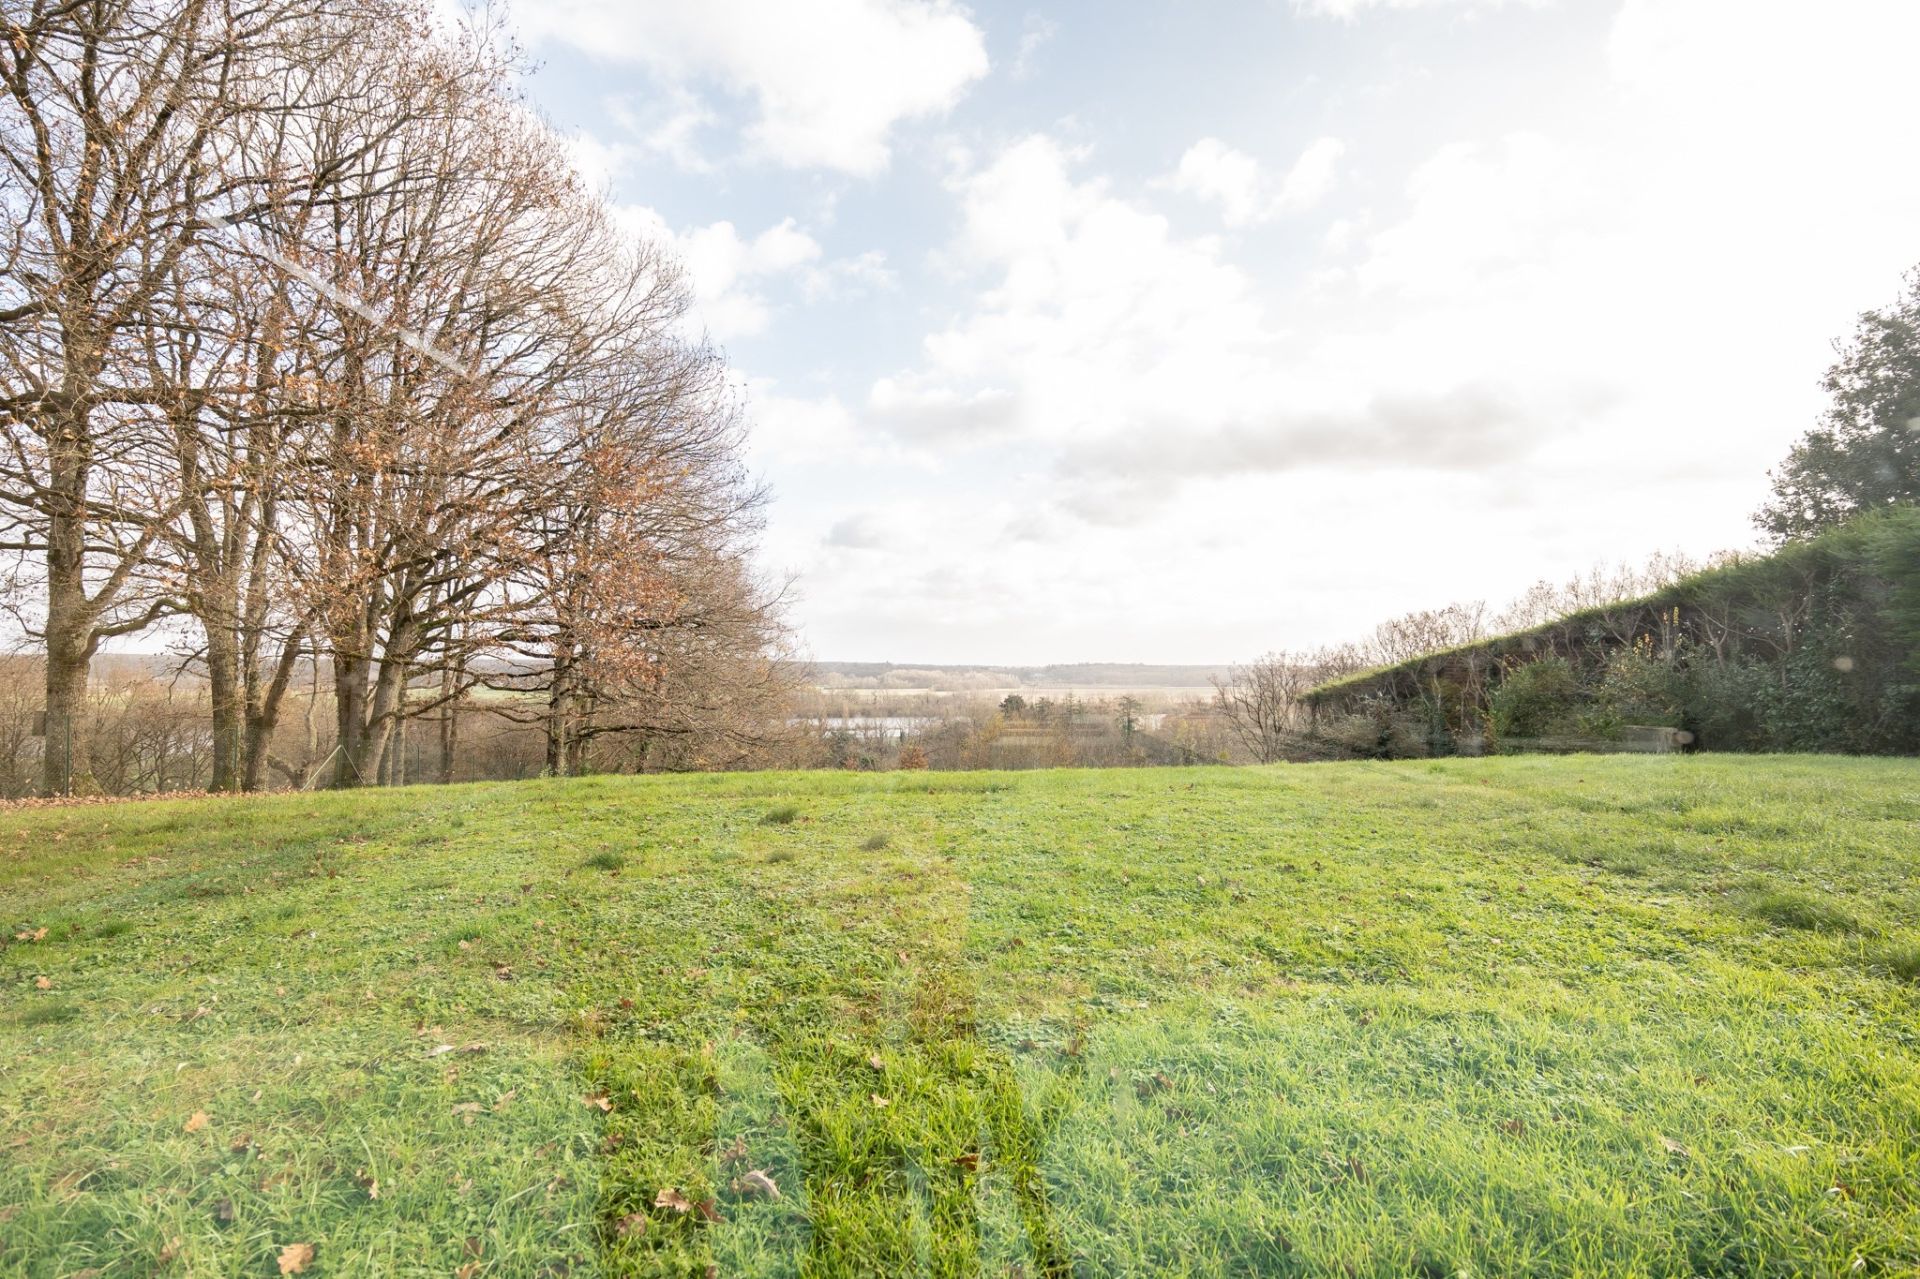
(1544, 1016)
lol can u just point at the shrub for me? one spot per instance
(1536, 699)
(1637, 685)
(606, 859)
(912, 757)
(781, 816)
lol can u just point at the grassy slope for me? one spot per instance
(1581, 1016)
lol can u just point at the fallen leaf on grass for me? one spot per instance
(1514, 1127)
(295, 1257)
(240, 1143)
(223, 1212)
(367, 1182)
(968, 1162)
(196, 1121)
(755, 1182)
(171, 1253)
(875, 1062)
(671, 1198)
(735, 1152)
(599, 1099)
(505, 1099)
(467, 1271)
(37, 934)
(879, 1102)
(1673, 1147)
(467, 1110)
(43, 983)
(634, 1223)
(709, 1210)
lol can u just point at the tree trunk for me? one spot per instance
(69, 646)
(263, 713)
(350, 675)
(449, 725)
(229, 710)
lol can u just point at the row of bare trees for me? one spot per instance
(1265, 700)
(314, 349)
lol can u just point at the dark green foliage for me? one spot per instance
(784, 815)
(1815, 647)
(606, 860)
(1536, 699)
(1865, 452)
(1637, 685)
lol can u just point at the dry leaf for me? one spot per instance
(879, 1102)
(634, 1223)
(240, 1143)
(1673, 1147)
(467, 1271)
(1514, 1127)
(671, 1198)
(755, 1182)
(734, 1153)
(171, 1252)
(295, 1257)
(709, 1210)
(467, 1110)
(505, 1099)
(368, 1182)
(38, 934)
(876, 1063)
(196, 1121)
(969, 1162)
(599, 1099)
(43, 983)
(223, 1211)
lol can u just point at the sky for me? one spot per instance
(1185, 330)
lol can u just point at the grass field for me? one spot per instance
(1525, 1016)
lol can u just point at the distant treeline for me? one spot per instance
(1814, 647)
(1119, 675)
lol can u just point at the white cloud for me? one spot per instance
(732, 274)
(1571, 326)
(1035, 31)
(667, 124)
(1211, 170)
(1135, 358)
(1312, 176)
(830, 79)
(1350, 9)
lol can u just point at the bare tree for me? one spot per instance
(1262, 701)
(121, 137)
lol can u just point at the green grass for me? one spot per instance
(1622, 1016)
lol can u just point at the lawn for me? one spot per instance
(1580, 1016)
